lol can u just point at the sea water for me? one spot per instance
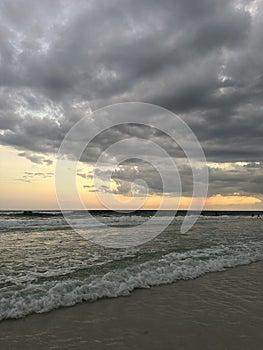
(45, 264)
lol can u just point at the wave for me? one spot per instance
(52, 294)
(54, 220)
(29, 212)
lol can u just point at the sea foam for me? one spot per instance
(49, 295)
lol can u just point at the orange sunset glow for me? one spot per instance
(25, 185)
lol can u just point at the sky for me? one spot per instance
(61, 60)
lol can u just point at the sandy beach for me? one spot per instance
(222, 310)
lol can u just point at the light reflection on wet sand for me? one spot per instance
(222, 310)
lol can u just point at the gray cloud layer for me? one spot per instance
(202, 59)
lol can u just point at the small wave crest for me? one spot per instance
(54, 220)
(52, 294)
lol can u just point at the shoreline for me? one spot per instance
(220, 310)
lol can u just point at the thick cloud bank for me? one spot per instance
(201, 59)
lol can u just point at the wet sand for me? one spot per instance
(222, 310)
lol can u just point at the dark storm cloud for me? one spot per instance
(202, 59)
(35, 158)
(246, 181)
(123, 175)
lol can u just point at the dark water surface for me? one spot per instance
(46, 265)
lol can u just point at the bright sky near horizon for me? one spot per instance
(199, 59)
(26, 185)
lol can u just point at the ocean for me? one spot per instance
(46, 265)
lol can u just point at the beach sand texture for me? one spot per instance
(222, 310)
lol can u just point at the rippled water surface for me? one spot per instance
(45, 264)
